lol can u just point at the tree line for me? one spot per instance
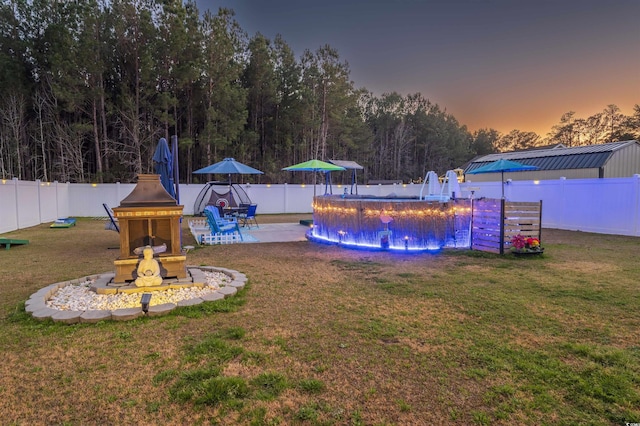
(87, 88)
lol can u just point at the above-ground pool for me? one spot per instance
(391, 223)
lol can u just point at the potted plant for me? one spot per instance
(521, 245)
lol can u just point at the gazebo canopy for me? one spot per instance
(346, 164)
(349, 165)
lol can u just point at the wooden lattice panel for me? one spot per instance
(494, 222)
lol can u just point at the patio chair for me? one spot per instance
(220, 219)
(220, 232)
(210, 230)
(112, 224)
(249, 216)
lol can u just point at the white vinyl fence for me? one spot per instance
(608, 206)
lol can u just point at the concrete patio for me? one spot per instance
(278, 232)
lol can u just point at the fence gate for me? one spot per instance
(494, 222)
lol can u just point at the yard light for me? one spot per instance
(144, 301)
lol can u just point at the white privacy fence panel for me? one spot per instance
(607, 206)
(272, 198)
(28, 204)
(188, 196)
(85, 199)
(24, 204)
(610, 206)
(486, 190)
(8, 205)
(48, 200)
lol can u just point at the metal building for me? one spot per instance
(614, 159)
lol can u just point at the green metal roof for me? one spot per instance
(559, 158)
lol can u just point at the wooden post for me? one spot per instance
(540, 228)
(502, 225)
(471, 226)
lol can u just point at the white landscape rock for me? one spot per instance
(74, 301)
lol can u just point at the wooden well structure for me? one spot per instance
(149, 216)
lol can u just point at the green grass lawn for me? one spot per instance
(329, 336)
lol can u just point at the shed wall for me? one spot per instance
(624, 162)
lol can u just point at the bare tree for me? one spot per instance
(40, 106)
(13, 115)
(565, 132)
(3, 152)
(70, 140)
(517, 140)
(614, 120)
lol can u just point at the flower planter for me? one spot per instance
(526, 252)
(525, 246)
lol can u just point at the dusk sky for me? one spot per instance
(499, 64)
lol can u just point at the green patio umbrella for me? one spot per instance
(314, 166)
(502, 166)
